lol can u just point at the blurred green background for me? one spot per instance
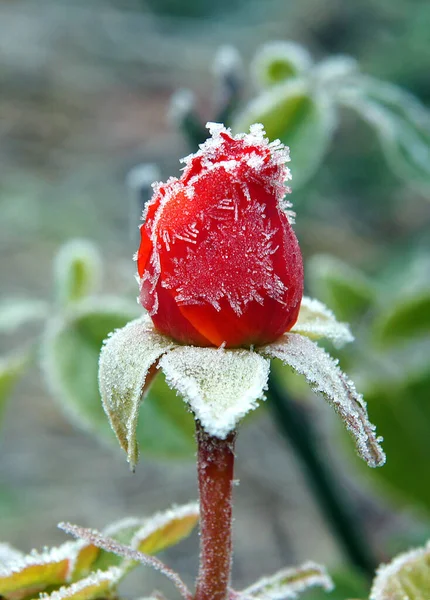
(85, 89)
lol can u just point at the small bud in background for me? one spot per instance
(277, 61)
(139, 184)
(182, 114)
(229, 74)
(77, 271)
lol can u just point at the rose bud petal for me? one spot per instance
(219, 263)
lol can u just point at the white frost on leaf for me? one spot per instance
(98, 584)
(125, 362)
(317, 321)
(9, 555)
(166, 528)
(288, 583)
(47, 557)
(324, 376)
(220, 386)
(407, 577)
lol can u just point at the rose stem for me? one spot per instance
(215, 463)
(295, 426)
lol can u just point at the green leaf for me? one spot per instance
(405, 320)
(220, 386)
(346, 290)
(278, 61)
(324, 377)
(288, 583)
(347, 584)
(317, 321)
(70, 362)
(77, 271)
(301, 119)
(401, 123)
(407, 577)
(11, 368)
(402, 411)
(16, 312)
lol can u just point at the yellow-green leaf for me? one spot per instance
(35, 572)
(166, 529)
(100, 584)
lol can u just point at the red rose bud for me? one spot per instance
(219, 262)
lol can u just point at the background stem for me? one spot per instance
(295, 425)
(215, 462)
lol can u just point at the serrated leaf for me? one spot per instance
(301, 119)
(276, 61)
(401, 123)
(325, 377)
(407, 577)
(288, 583)
(405, 320)
(96, 538)
(33, 573)
(11, 368)
(166, 529)
(70, 362)
(77, 271)
(99, 584)
(220, 386)
(346, 290)
(126, 360)
(16, 312)
(317, 321)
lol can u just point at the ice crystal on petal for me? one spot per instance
(324, 375)
(221, 386)
(316, 321)
(407, 577)
(125, 361)
(288, 583)
(250, 275)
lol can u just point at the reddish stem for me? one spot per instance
(215, 464)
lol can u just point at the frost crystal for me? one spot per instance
(125, 362)
(9, 555)
(288, 583)
(221, 386)
(248, 249)
(316, 321)
(325, 377)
